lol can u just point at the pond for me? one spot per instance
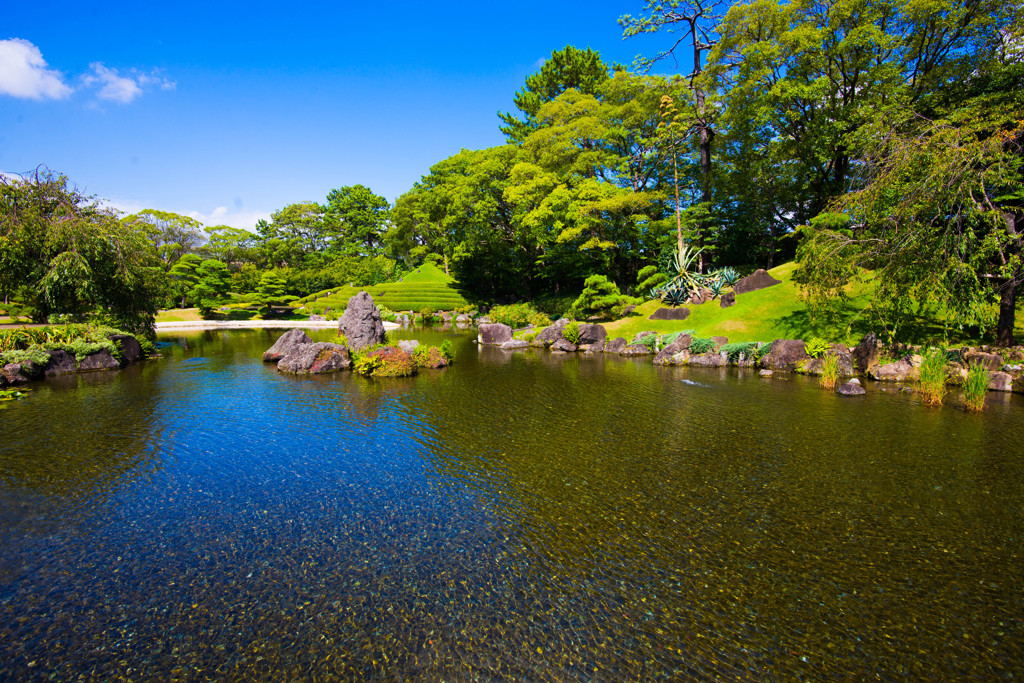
(518, 516)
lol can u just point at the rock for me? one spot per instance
(680, 343)
(719, 342)
(463, 319)
(361, 323)
(99, 360)
(866, 353)
(393, 362)
(701, 296)
(628, 309)
(1018, 385)
(815, 365)
(641, 335)
(131, 350)
(765, 372)
(711, 359)
(549, 335)
(898, 371)
(784, 354)
(990, 361)
(1000, 381)
(61, 363)
(1015, 353)
(592, 333)
(670, 314)
(727, 300)
(635, 350)
(316, 359)
(615, 345)
(483, 320)
(563, 344)
(759, 279)
(854, 381)
(851, 388)
(1012, 368)
(515, 344)
(445, 316)
(408, 345)
(21, 373)
(285, 345)
(494, 334)
(314, 318)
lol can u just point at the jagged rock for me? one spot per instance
(701, 296)
(361, 323)
(408, 345)
(20, 373)
(815, 365)
(1000, 381)
(866, 353)
(515, 344)
(131, 350)
(635, 350)
(316, 358)
(990, 361)
(680, 343)
(615, 345)
(727, 300)
(759, 279)
(494, 334)
(61, 363)
(898, 371)
(563, 344)
(285, 345)
(99, 360)
(851, 388)
(591, 333)
(670, 314)
(594, 348)
(784, 354)
(549, 335)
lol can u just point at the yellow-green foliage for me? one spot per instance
(830, 371)
(425, 287)
(932, 378)
(975, 388)
(571, 332)
(340, 338)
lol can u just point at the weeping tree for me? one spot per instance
(64, 254)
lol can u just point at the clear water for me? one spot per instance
(524, 516)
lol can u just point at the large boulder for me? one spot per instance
(287, 344)
(549, 335)
(61, 363)
(990, 361)
(615, 345)
(513, 344)
(901, 370)
(701, 296)
(408, 345)
(131, 350)
(563, 344)
(1000, 381)
(866, 353)
(361, 323)
(851, 388)
(784, 354)
(594, 348)
(591, 333)
(640, 335)
(99, 360)
(670, 314)
(759, 279)
(680, 343)
(20, 373)
(727, 300)
(635, 350)
(316, 359)
(815, 366)
(494, 334)
(711, 359)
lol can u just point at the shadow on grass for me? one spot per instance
(850, 323)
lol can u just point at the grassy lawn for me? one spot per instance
(779, 313)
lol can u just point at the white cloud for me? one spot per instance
(221, 215)
(115, 87)
(23, 73)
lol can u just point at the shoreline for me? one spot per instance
(253, 324)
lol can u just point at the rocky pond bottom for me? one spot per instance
(529, 516)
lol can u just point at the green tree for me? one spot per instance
(212, 284)
(358, 219)
(173, 235)
(64, 254)
(568, 68)
(183, 276)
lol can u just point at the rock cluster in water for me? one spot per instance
(61, 362)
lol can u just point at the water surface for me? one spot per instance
(518, 516)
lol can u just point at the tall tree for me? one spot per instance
(173, 234)
(567, 68)
(358, 217)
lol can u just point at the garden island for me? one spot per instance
(708, 371)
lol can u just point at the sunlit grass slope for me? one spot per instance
(427, 286)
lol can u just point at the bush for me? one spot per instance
(448, 350)
(650, 341)
(701, 345)
(736, 349)
(975, 388)
(571, 332)
(513, 315)
(816, 347)
(340, 339)
(932, 379)
(600, 297)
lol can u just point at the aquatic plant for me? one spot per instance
(932, 378)
(975, 387)
(830, 371)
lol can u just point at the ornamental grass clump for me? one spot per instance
(975, 388)
(830, 371)
(932, 380)
(572, 333)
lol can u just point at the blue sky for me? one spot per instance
(227, 111)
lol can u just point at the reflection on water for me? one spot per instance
(517, 516)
